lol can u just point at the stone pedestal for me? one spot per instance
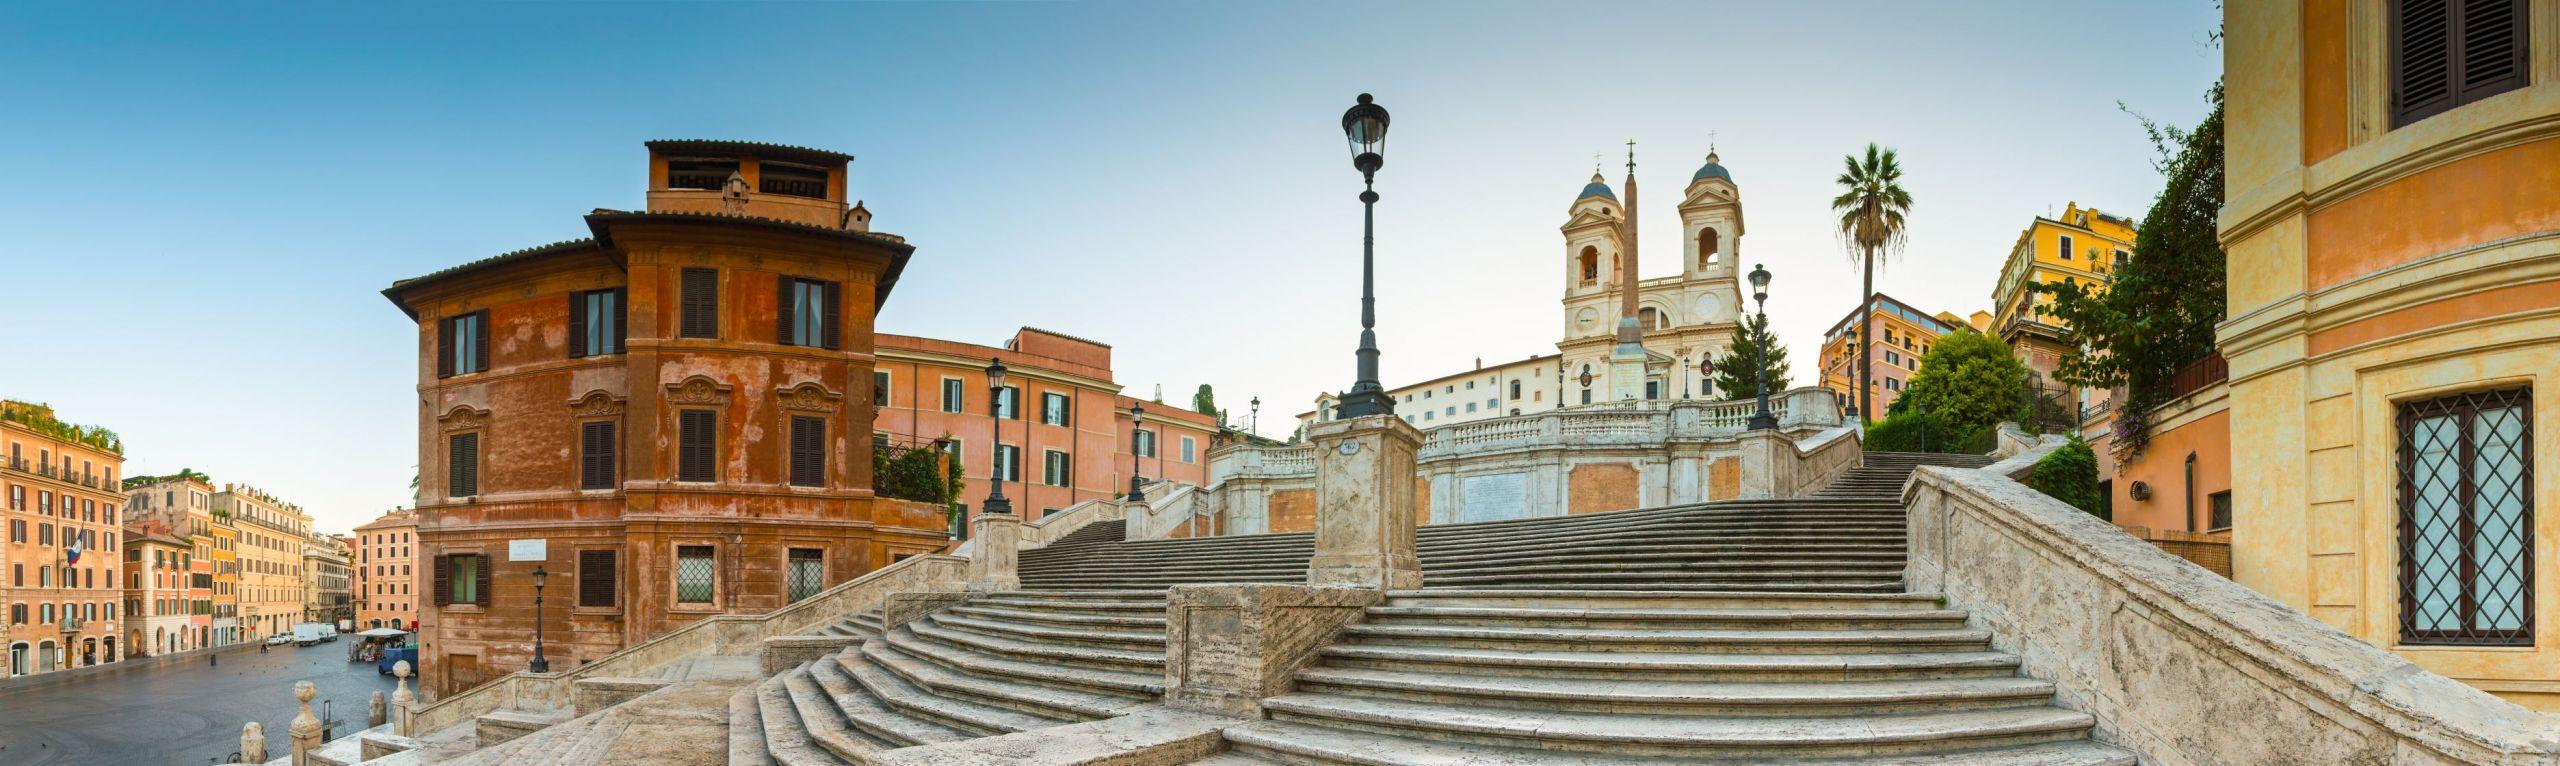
(1767, 456)
(1227, 647)
(1365, 504)
(994, 562)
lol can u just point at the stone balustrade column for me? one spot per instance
(253, 743)
(1365, 503)
(373, 710)
(401, 700)
(994, 564)
(306, 727)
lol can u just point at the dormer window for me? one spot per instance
(699, 174)
(794, 180)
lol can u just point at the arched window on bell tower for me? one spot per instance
(1590, 265)
(1708, 256)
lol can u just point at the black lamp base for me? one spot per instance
(998, 505)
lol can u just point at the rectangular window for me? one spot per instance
(794, 180)
(1143, 444)
(1190, 449)
(462, 578)
(1053, 408)
(462, 465)
(462, 344)
(693, 574)
(2218, 509)
(595, 322)
(699, 174)
(879, 388)
(596, 578)
(808, 572)
(1009, 403)
(2065, 247)
(808, 451)
(596, 455)
(954, 398)
(2446, 53)
(2466, 519)
(1053, 468)
(1009, 462)
(806, 313)
(700, 304)
(697, 445)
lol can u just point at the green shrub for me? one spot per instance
(2070, 475)
(909, 474)
(1910, 431)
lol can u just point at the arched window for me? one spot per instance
(2189, 489)
(1590, 264)
(1649, 318)
(1707, 253)
(1515, 393)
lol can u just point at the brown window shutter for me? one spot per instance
(835, 315)
(480, 343)
(480, 592)
(808, 452)
(700, 303)
(596, 576)
(621, 319)
(596, 461)
(2493, 46)
(2421, 59)
(783, 315)
(462, 465)
(577, 325)
(444, 347)
(444, 580)
(697, 445)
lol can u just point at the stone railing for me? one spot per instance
(1178, 510)
(2120, 627)
(1775, 465)
(1047, 529)
(715, 635)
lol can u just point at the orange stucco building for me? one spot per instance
(59, 500)
(386, 580)
(670, 417)
(1071, 439)
(2393, 231)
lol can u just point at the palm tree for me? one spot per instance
(1872, 205)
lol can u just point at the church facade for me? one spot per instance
(1680, 321)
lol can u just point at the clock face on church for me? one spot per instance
(1586, 319)
(1710, 309)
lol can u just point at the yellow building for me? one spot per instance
(59, 502)
(1902, 335)
(2081, 246)
(226, 581)
(272, 534)
(2393, 230)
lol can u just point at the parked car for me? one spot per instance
(279, 639)
(395, 656)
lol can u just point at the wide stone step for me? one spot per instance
(746, 729)
(1106, 619)
(1876, 666)
(1084, 683)
(1663, 697)
(1745, 581)
(824, 723)
(1671, 583)
(1670, 641)
(786, 738)
(884, 675)
(1779, 619)
(1893, 535)
(1689, 736)
(1893, 554)
(872, 716)
(1741, 568)
(1287, 742)
(1151, 602)
(1135, 640)
(1124, 660)
(1642, 599)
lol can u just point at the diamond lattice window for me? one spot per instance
(2466, 520)
(808, 573)
(693, 574)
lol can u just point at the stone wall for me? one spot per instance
(2180, 664)
(1586, 459)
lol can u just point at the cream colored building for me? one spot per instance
(272, 534)
(328, 580)
(1686, 318)
(2393, 335)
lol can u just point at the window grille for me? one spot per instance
(2466, 519)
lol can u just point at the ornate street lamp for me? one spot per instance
(1761, 419)
(1365, 125)
(1137, 423)
(995, 454)
(540, 665)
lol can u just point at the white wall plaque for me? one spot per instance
(1493, 497)
(528, 550)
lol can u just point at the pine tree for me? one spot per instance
(1734, 369)
(1206, 403)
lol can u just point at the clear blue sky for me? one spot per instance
(208, 197)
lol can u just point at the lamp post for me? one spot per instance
(1760, 351)
(540, 665)
(1137, 425)
(1365, 125)
(995, 455)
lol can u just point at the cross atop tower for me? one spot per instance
(1631, 156)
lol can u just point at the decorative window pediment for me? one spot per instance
(597, 404)
(697, 391)
(808, 397)
(463, 418)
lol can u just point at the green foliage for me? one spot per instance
(2070, 475)
(1970, 383)
(2158, 314)
(39, 418)
(1873, 209)
(1205, 402)
(1911, 431)
(909, 474)
(1734, 369)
